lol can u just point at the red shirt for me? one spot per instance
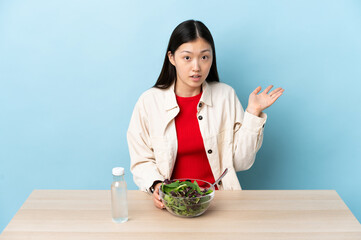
(191, 161)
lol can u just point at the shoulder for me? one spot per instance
(152, 94)
(221, 89)
(153, 98)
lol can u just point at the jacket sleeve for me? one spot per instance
(142, 160)
(248, 136)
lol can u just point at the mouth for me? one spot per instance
(196, 77)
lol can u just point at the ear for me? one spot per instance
(171, 58)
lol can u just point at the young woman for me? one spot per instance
(189, 125)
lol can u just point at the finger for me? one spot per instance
(257, 90)
(276, 96)
(275, 91)
(156, 198)
(156, 195)
(158, 204)
(268, 88)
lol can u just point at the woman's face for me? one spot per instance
(192, 61)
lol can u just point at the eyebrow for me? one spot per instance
(205, 50)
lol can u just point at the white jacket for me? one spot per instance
(231, 136)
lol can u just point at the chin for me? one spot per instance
(197, 83)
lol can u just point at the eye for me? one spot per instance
(187, 58)
(205, 57)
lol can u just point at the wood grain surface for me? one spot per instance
(242, 214)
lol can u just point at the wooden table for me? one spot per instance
(243, 214)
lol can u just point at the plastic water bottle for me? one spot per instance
(119, 196)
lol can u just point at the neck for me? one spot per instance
(182, 91)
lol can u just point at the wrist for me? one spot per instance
(256, 112)
(154, 184)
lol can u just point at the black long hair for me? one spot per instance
(186, 31)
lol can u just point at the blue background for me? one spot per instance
(71, 72)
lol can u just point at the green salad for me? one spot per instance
(185, 198)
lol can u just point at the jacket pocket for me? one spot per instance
(225, 136)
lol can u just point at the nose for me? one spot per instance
(196, 67)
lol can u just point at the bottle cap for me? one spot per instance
(118, 171)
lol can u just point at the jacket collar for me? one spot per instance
(171, 101)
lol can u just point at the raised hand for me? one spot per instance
(259, 102)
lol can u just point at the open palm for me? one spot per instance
(259, 102)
